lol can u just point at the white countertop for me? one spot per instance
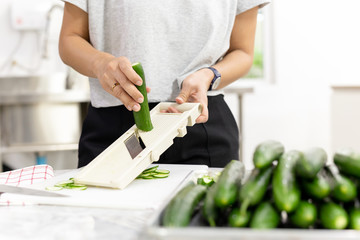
(50, 222)
(56, 222)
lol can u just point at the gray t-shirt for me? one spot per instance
(171, 38)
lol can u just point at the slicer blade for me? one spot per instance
(133, 145)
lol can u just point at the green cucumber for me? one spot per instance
(313, 161)
(209, 209)
(265, 216)
(239, 219)
(344, 189)
(305, 215)
(142, 118)
(254, 189)
(348, 162)
(319, 187)
(228, 184)
(286, 191)
(333, 216)
(181, 207)
(266, 152)
(354, 216)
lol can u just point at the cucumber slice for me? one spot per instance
(64, 183)
(162, 171)
(148, 177)
(80, 188)
(160, 175)
(152, 169)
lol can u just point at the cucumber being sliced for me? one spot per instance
(142, 118)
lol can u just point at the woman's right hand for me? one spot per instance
(115, 74)
(118, 78)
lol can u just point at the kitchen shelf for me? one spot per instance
(39, 148)
(69, 96)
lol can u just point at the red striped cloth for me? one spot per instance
(25, 176)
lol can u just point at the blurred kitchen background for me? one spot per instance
(303, 90)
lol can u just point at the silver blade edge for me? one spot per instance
(133, 146)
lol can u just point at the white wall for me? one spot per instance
(28, 52)
(315, 45)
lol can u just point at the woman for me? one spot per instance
(186, 47)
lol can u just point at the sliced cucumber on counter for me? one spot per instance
(67, 184)
(153, 173)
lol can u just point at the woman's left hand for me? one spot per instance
(194, 89)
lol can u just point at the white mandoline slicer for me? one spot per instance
(117, 166)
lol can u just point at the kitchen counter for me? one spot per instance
(55, 222)
(65, 222)
(50, 222)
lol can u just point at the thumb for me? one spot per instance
(182, 97)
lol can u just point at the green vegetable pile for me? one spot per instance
(285, 189)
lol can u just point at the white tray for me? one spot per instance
(115, 168)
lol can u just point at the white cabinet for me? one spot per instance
(345, 117)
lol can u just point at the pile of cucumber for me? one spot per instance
(285, 189)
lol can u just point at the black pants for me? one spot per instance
(213, 143)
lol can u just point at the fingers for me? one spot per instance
(204, 116)
(128, 71)
(182, 97)
(119, 79)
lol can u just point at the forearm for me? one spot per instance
(233, 66)
(238, 60)
(78, 53)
